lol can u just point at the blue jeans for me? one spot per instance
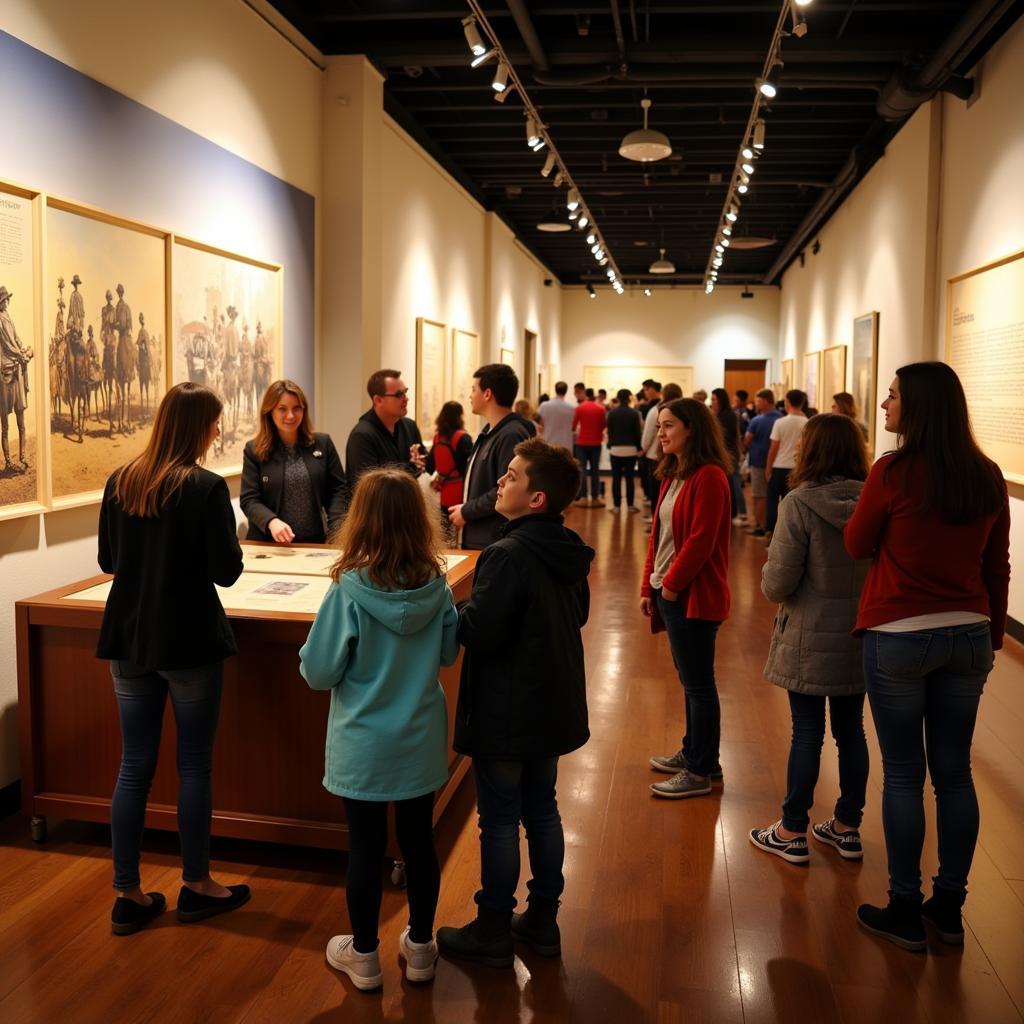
(623, 466)
(141, 696)
(508, 792)
(846, 715)
(924, 690)
(739, 502)
(589, 458)
(692, 642)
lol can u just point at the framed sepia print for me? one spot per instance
(463, 362)
(23, 480)
(864, 382)
(226, 317)
(812, 378)
(431, 379)
(833, 374)
(105, 287)
(508, 357)
(787, 376)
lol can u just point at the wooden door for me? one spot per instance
(748, 374)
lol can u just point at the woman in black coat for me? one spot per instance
(167, 534)
(291, 477)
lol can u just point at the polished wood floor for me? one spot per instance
(669, 914)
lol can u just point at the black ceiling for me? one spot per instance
(586, 68)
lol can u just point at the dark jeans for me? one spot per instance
(846, 715)
(924, 690)
(644, 467)
(622, 466)
(778, 488)
(141, 696)
(692, 642)
(739, 502)
(653, 483)
(589, 458)
(508, 792)
(367, 842)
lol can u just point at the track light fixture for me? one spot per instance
(717, 261)
(747, 153)
(803, 3)
(759, 133)
(559, 179)
(583, 221)
(574, 214)
(591, 292)
(532, 132)
(747, 168)
(572, 199)
(719, 248)
(710, 287)
(769, 85)
(648, 292)
(725, 243)
(500, 97)
(549, 166)
(743, 188)
(732, 213)
(500, 83)
(611, 274)
(727, 230)
(591, 238)
(476, 44)
(483, 58)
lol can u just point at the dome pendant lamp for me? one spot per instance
(645, 145)
(662, 265)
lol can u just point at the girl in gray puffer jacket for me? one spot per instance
(813, 654)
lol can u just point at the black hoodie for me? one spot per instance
(523, 690)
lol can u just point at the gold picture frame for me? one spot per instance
(431, 377)
(463, 362)
(787, 368)
(508, 357)
(811, 378)
(864, 371)
(833, 374)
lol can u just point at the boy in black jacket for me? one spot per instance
(522, 700)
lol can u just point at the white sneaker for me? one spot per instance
(362, 968)
(420, 957)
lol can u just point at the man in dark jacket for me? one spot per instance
(495, 387)
(384, 435)
(522, 700)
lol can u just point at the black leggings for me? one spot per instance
(367, 838)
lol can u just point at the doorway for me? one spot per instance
(531, 378)
(748, 374)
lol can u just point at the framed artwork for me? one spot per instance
(463, 362)
(833, 374)
(787, 376)
(508, 357)
(105, 281)
(431, 379)
(23, 478)
(864, 384)
(985, 345)
(812, 378)
(612, 378)
(226, 327)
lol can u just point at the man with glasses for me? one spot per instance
(384, 435)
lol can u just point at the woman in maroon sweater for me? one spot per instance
(686, 587)
(934, 519)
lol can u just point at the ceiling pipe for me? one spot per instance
(620, 39)
(906, 91)
(521, 16)
(629, 75)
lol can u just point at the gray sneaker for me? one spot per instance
(681, 785)
(672, 763)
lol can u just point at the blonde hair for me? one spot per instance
(389, 533)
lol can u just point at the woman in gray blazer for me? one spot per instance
(813, 654)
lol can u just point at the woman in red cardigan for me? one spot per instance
(686, 588)
(934, 519)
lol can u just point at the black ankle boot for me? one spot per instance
(538, 927)
(942, 912)
(487, 940)
(899, 922)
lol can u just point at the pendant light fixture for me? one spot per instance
(645, 145)
(662, 265)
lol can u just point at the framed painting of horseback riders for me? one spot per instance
(105, 285)
(226, 333)
(23, 462)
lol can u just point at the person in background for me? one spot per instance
(651, 444)
(844, 404)
(647, 399)
(579, 390)
(588, 422)
(292, 478)
(384, 435)
(685, 588)
(701, 395)
(813, 655)
(602, 398)
(934, 519)
(757, 441)
(167, 534)
(743, 409)
(556, 417)
(729, 423)
(784, 438)
(448, 458)
(491, 396)
(385, 627)
(624, 432)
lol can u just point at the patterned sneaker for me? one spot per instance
(672, 763)
(420, 957)
(847, 843)
(769, 840)
(680, 786)
(362, 968)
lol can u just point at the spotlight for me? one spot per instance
(717, 261)
(742, 189)
(803, 3)
(500, 97)
(591, 238)
(583, 221)
(747, 168)
(559, 179)
(549, 166)
(500, 83)
(539, 146)
(591, 292)
(744, 178)
(727, 231)
(595, 248)
(574, 215)
(725, 243)
(483, 58)
(572, 200)
(611, 275)
(719, 248)
(768, 86)
(710, 288)
(747, 153)
(648, 292)
(759, 133)
(532, 134)
(476, 44)
(733, 213)
(599, 255)
(603, 261)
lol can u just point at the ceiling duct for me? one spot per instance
(521, 16)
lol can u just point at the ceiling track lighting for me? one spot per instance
(583, 222)
(483, 58)
(727, 230)
(747, 153)
(591, 292)
(500, 97)
(768, 85)
(732, 213)
(549, 166)
(559, 179)
(532, 132)
(759, 133)
(473, 40)
(742, 189)
(748, 169)
(500, 83)
(572, 199)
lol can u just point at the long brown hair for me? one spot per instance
(831, 447)
(267, 436)
(389, 533)
(704, 445)
(846, 404)
(181, 435)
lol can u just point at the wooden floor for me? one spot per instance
(669, 913)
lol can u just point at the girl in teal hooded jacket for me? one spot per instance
(385, 627)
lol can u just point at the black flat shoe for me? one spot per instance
(193, 906)
(129, 916)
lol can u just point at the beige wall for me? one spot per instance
(674, 327)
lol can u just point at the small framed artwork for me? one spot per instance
(508, 357)
(833, 374)
(463, 362)
(812, 378)
(431, 379)
(787, 376)
(864, 385)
